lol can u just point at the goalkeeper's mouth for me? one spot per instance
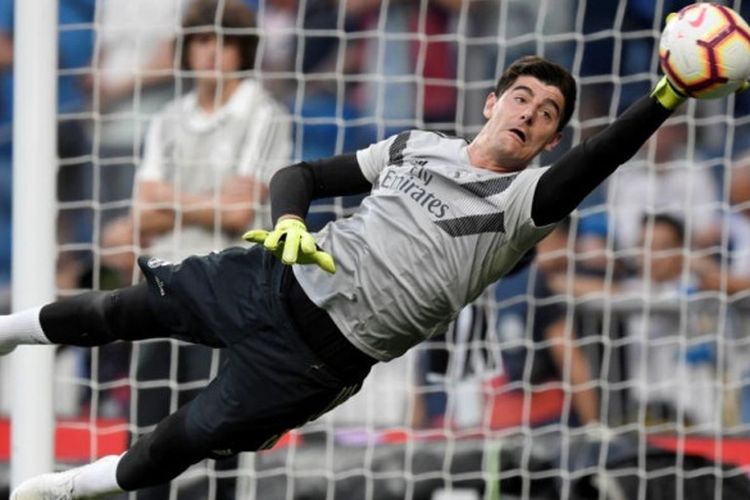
(518, 133)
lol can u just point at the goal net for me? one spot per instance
(617, 363)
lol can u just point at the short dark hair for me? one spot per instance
(205, 16)
(547, 72)
(674, 223)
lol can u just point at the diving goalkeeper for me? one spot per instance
(303, 317)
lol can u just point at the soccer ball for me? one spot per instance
(705, 50)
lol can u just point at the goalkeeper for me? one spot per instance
(303, 317)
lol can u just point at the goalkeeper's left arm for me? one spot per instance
(291, 191)
(568, 181)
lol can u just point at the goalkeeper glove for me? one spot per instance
(670, 97)
(667, 95)
(292, 244)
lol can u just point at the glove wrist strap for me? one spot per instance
(667, 95)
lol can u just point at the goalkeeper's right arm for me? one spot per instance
(294, 187)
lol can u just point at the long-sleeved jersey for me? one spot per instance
(433, 234)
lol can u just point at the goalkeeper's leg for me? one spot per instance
(154, 459)
(90, 319)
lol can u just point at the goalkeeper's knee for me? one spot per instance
(79, 320)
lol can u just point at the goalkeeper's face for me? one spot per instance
(522, 122)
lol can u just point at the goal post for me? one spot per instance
(34, 244)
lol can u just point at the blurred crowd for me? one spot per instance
(174, 115)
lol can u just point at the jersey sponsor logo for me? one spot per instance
(409, 183)
(417, 170)
(415, 181)
(474, 224)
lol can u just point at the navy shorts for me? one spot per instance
(271, 381)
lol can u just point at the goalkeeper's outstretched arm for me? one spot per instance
(568, 181)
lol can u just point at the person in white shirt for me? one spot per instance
(671, 352)
(668, 183)
(731, 272)
(210, 154)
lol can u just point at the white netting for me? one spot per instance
(508, 404)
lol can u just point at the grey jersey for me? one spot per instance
(432, 235)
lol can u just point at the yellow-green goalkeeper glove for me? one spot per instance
(667, 95)
(670, 97)
(292, 244)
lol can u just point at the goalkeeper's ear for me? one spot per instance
(552, 144)
(489, 103)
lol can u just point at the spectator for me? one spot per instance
(419, 69)
(279, 18)
(135, 77)
(730, 274)
(671, 350)
(668, 183)
(208, 158)
(564, 248)
(210, 153)
(736, 277)
(136, 46)
(537, 302)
